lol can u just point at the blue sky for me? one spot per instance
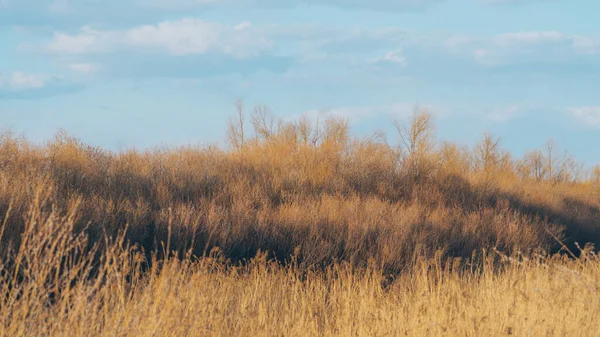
(148, 73)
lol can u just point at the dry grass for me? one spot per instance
(359, 237)
(542, 296)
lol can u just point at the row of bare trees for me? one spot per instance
(551, 165)
(417, 151)
(266, 127)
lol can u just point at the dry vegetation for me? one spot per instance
(297, 229)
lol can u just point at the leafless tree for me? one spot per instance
(235, 129)
(533, 165)
(416, 140)
(595, 175)
(309, 132)
(551, 160)
(263, 121)
(488, 154)
(417, 137)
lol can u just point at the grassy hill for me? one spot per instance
(297, 228)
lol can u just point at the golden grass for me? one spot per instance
(540, 296)
(299, 230)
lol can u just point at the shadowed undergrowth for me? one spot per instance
(53, 286)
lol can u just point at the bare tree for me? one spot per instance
(263, 121)
(595, 175)
(235, 129)
(308, 131)
(416, 140)
(506, 163)
(533, 165)
(336, 130)
(560, 168)
(551, 159)
(569, 170)
(417, 137)
(454, 158)
(487, 153)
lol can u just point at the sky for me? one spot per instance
(149, 73)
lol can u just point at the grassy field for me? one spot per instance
(298, 229)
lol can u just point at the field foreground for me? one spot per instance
(297, 230)
(543, 296)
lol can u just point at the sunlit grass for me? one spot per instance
(297, 229)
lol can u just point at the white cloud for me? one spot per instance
(84, 68)
(511, 39)
(521, 47)
(501, 115)
(88, 41)
(22, 81)
(394, 57)
(589, 115)
(586, 45)
(189, 36)
(317, 42)
(181, 37)
(507, 40)
(22, 85)
(307, 42)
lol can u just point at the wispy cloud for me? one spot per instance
(392, 57)
(190, 36)
(84, 68)
(21, 85)
(505, 114)
(587, 45)
(180, 37)
(546, 46)
(589, 115)
(18, 81)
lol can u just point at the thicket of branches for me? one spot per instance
(418, 152)
(310, 190)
